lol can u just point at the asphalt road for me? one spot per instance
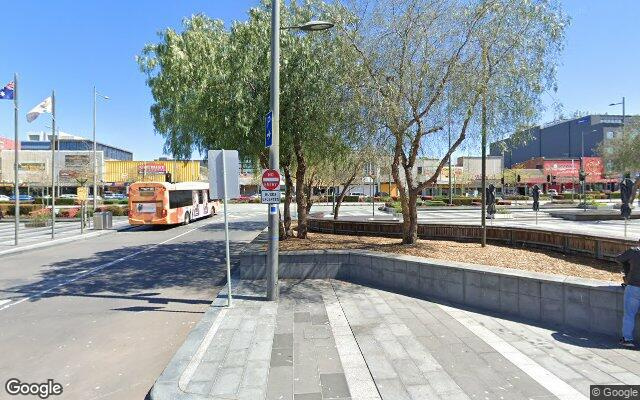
(103, 316)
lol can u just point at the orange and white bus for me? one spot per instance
(163, 203)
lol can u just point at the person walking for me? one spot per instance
(630, 261)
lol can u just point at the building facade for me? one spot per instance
(72, 168)
(68, 142)
(119, 174)
(565, 139)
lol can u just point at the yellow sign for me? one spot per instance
(82, 193)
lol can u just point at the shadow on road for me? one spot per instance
(196, 266)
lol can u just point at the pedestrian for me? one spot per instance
(630, 261)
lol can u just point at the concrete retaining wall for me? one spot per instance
(590, 305)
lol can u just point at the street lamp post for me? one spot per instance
(274, 150)
(623, 111)
(95, 159)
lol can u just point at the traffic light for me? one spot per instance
(167, 177)
(548, 178)
(582, 176)
(502, 180)
(518, 178)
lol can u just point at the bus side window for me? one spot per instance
(200, 197)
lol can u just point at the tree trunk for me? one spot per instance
(300, 192)
(345, 187)
(288, 197)
(411, 236)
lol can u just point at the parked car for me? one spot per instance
(4, 198)
(69, 196)
(23, 198)
(552, 192)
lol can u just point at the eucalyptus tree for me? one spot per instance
(424, 59)
(211, 89)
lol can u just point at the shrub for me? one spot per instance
(350, 199)
(116, 210)
(435, 203)
(25, 209)
(516, 197)
(562, 201)
(115, 201)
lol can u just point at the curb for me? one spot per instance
(55, 242)
(167, 386)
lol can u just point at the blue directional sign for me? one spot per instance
(584, 120)
(268, 140)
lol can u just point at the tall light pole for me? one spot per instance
(623, 111)
(274, 150)
(16, 159)
(95, 159)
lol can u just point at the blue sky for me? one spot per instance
(69, 46)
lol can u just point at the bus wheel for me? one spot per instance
(187, 219)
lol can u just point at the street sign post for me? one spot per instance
(224, 172)
(268, 139)
(83, 194)
(270, 193)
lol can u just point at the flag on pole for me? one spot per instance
(6, 93)
(44, 107)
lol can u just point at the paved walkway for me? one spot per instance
(337, 340)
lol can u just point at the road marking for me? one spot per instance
(195, 361)
(4, 301)
(98, 268)
(546, 379)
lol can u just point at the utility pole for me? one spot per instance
(16, 159)
(274, 152)
(53, 164)
(450, 172)
(484, 149)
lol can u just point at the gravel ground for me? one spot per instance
(546, 261)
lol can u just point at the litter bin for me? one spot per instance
(103, 220)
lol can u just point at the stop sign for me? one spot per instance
(270, 179)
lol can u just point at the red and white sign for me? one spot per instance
(270, 179)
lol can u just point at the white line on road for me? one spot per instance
(4, 301)
(98, 268)
(561, 389)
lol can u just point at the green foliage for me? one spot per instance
(116, 210)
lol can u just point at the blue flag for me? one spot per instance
(6, 93)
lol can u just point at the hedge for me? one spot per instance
(117, 211)
(25, 209)
(115, 201)
(350, 199)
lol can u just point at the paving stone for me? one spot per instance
(283, 340)
(227, 381)
(334, 386)
(302, 317)
(317, 332)
(280, 383)
(392, 389)
(308, 396)
(260, 350)
(252, 393)
(328, 360)
(255, 374)
(282, 357)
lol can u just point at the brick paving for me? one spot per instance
(328, 339)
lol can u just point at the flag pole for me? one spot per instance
(16, 160)
(53, 164)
